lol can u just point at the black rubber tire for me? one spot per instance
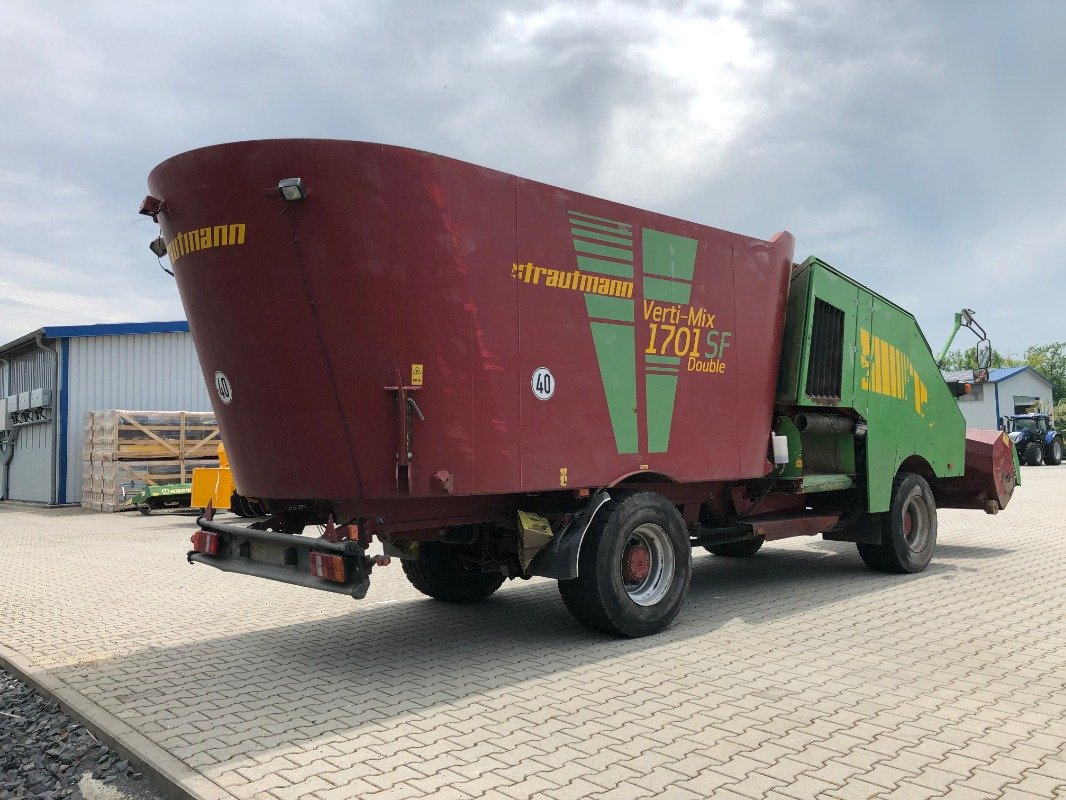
(597, 597)
(1053, 456)
(744, 549)
(241, 506)
(435, 573)
(145, 509)
(1034, 454)
(897, 553)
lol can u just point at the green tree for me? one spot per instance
(967, 359)
(1050, 361)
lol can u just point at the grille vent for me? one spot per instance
(826, 363)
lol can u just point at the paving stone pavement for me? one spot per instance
(796, 674)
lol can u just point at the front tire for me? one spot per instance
(908, 529)
(1034, 454)
(1054, 452)
(436, 574)
(634, 568)
(743, 549)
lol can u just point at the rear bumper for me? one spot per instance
(283, 557)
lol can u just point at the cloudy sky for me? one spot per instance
(916, 146)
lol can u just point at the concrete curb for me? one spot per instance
(175, 779)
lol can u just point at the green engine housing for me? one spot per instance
(847, 350)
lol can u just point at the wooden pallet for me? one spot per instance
(118, 435)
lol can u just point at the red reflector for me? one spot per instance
(325, 565)
(205, 542)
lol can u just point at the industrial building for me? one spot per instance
(49, 378)
(1009, 390)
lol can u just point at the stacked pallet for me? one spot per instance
(123, 451)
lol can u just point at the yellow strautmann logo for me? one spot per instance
(204, 238)
(573, 279)
(890, 371)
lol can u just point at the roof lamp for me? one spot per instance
(158, 246)
(292, 189)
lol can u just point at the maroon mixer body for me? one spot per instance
(466, 364)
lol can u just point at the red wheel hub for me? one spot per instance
(636, 563)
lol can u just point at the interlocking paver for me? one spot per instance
(798, 674)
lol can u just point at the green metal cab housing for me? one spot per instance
(847, 348)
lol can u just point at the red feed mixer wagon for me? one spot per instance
(500, 379)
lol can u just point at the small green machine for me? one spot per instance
(170, 495)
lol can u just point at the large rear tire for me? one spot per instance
(634, 568)
(1034, 454)
(743, 549)
(908, 529)
(1054, 452)
(435, 573)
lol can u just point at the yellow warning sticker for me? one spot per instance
(416, 374)
(563, 476)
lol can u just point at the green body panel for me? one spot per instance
(888, 377)
(166, 490)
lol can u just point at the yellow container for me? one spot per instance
(211, 484)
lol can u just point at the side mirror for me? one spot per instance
(984, 354)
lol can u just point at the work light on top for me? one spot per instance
(292, 189)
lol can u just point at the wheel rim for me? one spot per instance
(916, 523)
(647, 565)
(1056, 449)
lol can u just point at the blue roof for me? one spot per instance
(994, 375)
(116, 329)
(1002, 373)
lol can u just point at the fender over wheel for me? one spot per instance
(908, 528)
(634, 568)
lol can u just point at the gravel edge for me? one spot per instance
(174, 779)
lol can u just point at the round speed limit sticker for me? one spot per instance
(223, 387)
(543, 383)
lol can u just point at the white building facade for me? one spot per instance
(1009, 390)
(60, 373)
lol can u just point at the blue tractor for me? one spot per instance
(1035, 439)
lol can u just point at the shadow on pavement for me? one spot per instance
(381, 660)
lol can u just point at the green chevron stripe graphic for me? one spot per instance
(615, 340)
(605, 247)
(673, 257)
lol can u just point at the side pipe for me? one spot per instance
(823, 423)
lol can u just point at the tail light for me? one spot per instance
(206, 542)
(327, 566)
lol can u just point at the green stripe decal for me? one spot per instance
(583, 215)
(596, 226)
(599, 266)
(615, 308)
(674, 257)
(614, 352)
(603, 237)
(602, 250)
(661, 390)
(666, 254)
(667, 291)
(662, 360)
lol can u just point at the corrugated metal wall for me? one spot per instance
(156, 371)
(31, 467)
(1019, 388)
(979, 408)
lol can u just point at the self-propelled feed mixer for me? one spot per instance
(500, 379)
